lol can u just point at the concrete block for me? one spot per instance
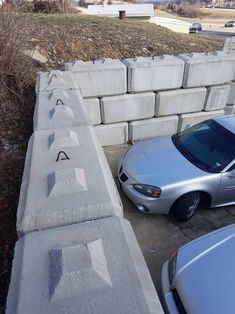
(99, 78)
(92, 106)
(60, 109)
(217, 97)
(231, 98)
(48, 81)
(205, 69)
(112, 134)
(189, 119)
(180, 101)
(127, 107)
(154, 73)
(229, 109)
(94, 267)
(144, 129)
(66, 180)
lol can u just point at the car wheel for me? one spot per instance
(186, 206)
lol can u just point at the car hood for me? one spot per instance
(158, 162)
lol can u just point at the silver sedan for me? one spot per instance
(183, 172)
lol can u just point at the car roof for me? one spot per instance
(227, 122)
(205, 279)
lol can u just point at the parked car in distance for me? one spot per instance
(180, 173)
(195, 28)
(230, 23)
(200, 277)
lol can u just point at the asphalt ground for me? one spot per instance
(159, 236)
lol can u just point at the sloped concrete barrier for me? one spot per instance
(189, 119)
(112, 134)
(144, 129)
(48, 81)
(94, 267)
(60, 109)
(231, 98)
(205, 69)
(180, 101)
(217, 97)
(99, 78)
(154, 73)
(92, 106)
(127, 107)
(66, 180)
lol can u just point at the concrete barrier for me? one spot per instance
(189, 119)
(112, 134)
(229, 109)
(180, 101)
(205, 69)
(48, 81)
(217, 97)
(231, 98)
(92, 106)
(66, 180)
(99, 78)
(154, 73)
(144, 129)
(127, 107)
(94, 267)
(60, 109)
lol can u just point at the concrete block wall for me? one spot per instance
(229, 48)
(182, 88)
(76, 252)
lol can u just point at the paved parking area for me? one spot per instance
(160, 236)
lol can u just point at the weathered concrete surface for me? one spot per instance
(63, 169)
(160, 236)
(229, 109)
(94, 267)
(217, 97)
(92, 106)
(205, 69)
(154, 73)
(231, 98)
(127, 107)
(112, 134)
(100, 77)
(48, 81)
(180, 101)
(144, 129)
(189, 119)
(60, 109)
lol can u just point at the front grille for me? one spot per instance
(123, 177)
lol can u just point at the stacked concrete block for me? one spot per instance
(127, 107)
(66, 180)
(189, 119)
(144, 129)
(60, 109)
(112, 134)
(180, 101)
(230, 108)
(217, 97)
(205, 69)
(49, 81)
(229, 45)
(154, 73)
(94, 267)
(99, 78)
(92, 106)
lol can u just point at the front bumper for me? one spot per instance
(144, 203)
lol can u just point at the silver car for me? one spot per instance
(200, 277)
(183, 172)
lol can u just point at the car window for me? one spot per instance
(208, 145)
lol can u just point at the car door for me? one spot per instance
(227, 186)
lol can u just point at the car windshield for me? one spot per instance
(208, 145)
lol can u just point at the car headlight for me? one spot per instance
(148, 190)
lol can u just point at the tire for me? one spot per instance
(186, 206)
